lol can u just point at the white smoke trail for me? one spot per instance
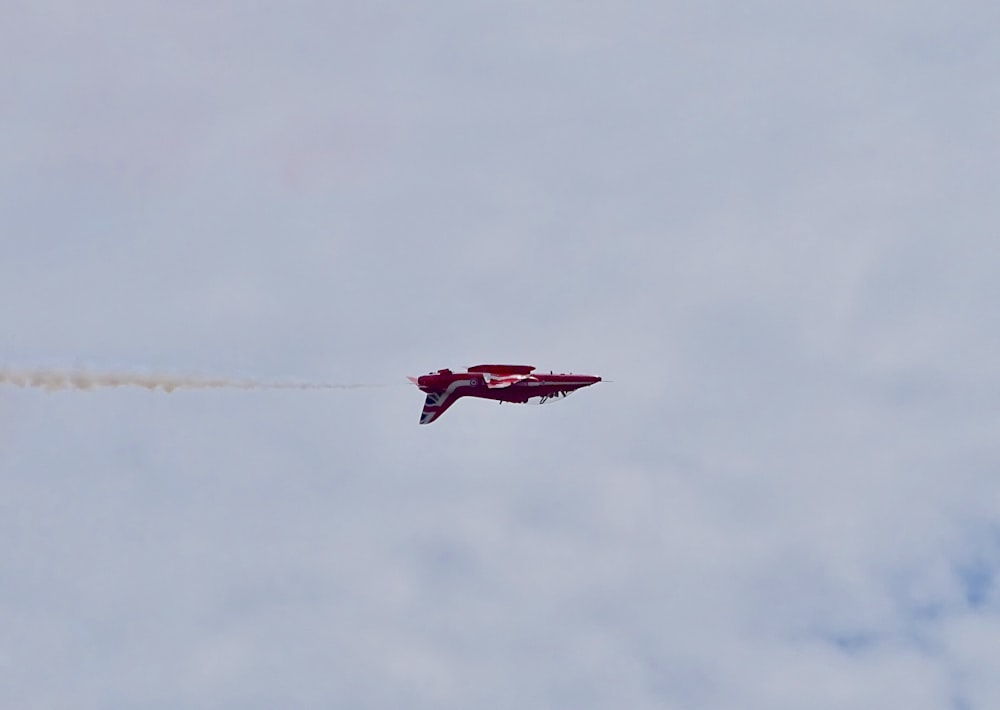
(53, 380)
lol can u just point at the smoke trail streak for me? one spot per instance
(55, 380)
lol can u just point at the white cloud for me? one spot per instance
(773, 228)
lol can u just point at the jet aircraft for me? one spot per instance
(505, 383)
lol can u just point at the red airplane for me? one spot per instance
(505, 383)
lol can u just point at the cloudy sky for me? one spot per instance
(774, 225)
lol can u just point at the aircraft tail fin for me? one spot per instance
(435, 405)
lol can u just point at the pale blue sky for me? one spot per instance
(773, 225)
